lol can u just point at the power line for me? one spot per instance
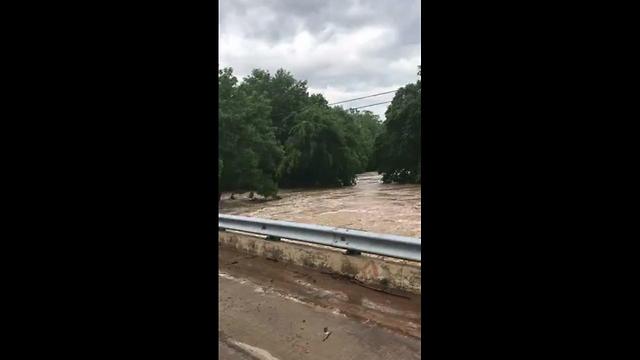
(345, 101)
(364, 97)
(360, 107)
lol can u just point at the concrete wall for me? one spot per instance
(401, 275)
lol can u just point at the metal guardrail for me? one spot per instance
(354, 240)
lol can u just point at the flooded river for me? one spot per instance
(369, 205)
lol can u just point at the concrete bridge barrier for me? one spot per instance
(377, 271)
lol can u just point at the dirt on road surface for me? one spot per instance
(370, 205)
(270, 310)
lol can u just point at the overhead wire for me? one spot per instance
(364, 97)
(346, 101)
(364, 106)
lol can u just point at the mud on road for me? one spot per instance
(271, 310)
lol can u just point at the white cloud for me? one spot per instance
(344, 49)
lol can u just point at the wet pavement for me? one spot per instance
(271, 310)
(370, 205)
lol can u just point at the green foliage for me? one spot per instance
(368, 128)
(273, 133)
(247, 144)
(220, 167)
(399, 147)
(284, 93)
(321, 149)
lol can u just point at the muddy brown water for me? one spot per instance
(370, 205)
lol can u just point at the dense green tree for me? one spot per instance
(321, 150)
(367, 129)
(247, 144)
(399, 146)
(273, 133)
(286, 95)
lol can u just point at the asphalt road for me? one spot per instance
(282, 312)
(228, 352)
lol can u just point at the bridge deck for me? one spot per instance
(271, 310)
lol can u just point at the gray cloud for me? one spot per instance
(344, 48)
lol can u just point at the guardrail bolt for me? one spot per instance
(273, 238)
(353, 252)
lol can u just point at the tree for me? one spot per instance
(273, 133)
(321, 151)
(399, 146)
(247, 144)
(285, 94)
(367, 129)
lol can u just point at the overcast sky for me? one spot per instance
(343, 48)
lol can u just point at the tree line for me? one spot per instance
(273, 133)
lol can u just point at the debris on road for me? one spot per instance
(327, 333)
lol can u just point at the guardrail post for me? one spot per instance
(273, 238)
(353, 252)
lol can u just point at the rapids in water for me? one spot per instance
(369, 205)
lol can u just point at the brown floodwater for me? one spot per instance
(370, 205)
